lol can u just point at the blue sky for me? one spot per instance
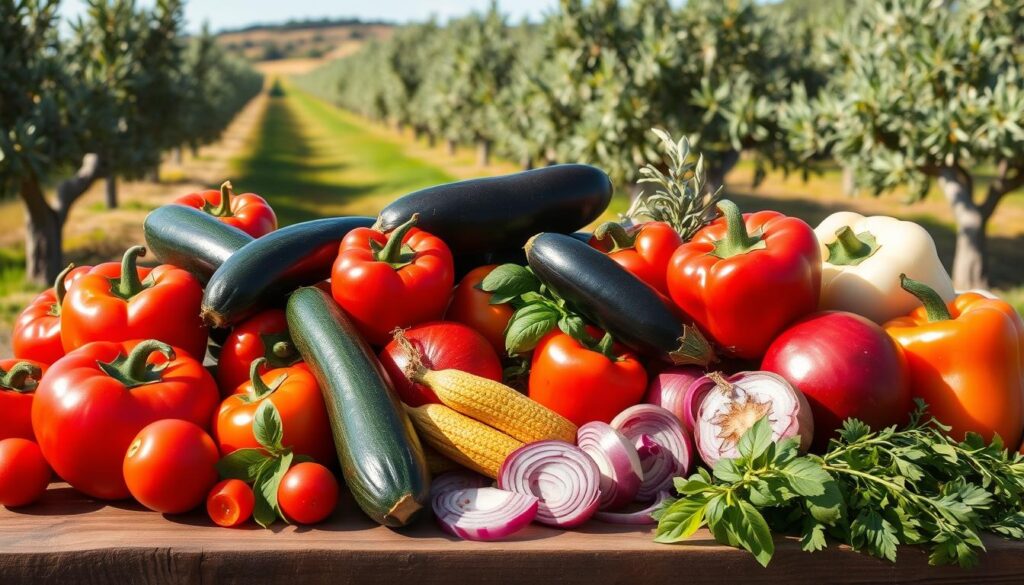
(222, 14)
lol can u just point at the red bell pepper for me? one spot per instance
(18, 380)
(120, 303)
(36, 333)
(264, 335)
(91, 403)
(396, 280)
(744, 278)
(248, 212)
(645, 249)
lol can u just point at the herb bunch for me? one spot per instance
(872, 490)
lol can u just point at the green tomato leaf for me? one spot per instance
(509, 281)
(267, 510)
(829, 506)
(267, 427)
(756, 439)
(243, 464)
(681, 519)
(527, 326)
(812, 538)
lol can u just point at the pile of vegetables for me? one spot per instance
(470, 354)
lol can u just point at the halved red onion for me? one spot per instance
(483, 513)
(669, 390)
(617, 460)
(662, 444)
(639, 517)
(564, 478)
(737, 402)
(692, 398)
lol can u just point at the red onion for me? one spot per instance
(738, 402)
(692, 398)
(663, 446)
(639, 517)
(669, 390)
(465, 507)
(617, 460)
(561, 475)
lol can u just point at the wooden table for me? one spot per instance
(67, 538)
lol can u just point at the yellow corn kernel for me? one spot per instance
(498, 405)
(437, 463)
(463, 440)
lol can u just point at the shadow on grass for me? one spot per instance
(1006, 254)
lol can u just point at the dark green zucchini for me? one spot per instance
(190, 239)
(273, 266)
(380, 454)
(501, 213)
(634, 313)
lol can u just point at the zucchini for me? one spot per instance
(380, 455)
(610, 296)
(500, 213)
(188, 238)
(273, 266)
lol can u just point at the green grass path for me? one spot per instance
(311, 159)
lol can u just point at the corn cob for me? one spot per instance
(437, 463)
(497, 405)
(462, 439)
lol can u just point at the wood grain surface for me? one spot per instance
(67, 538)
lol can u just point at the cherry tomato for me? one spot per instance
(441, 346)
(230, 503)
(24, 473)
(308, 493)
(582, 384)
(171, 465)
(472, 306)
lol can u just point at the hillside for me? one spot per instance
(302, 40)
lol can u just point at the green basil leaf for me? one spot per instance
(267, 427)
(527, 326)
(829, 506)
(575, 327)
(728, 471)
(243, 464)
(508, 281)
(806, 477)
(756, 439)
(752, 531)
(266, 510)
(680, 520)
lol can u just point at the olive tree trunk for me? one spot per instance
(717, 172)
(111, 181)
(483, 152)
(451, 147)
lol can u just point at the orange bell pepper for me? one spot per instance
(966, 361)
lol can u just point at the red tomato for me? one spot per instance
(308, 493)
(265, 335)
(644, 250)
(230, 503)
(298, 400)
(93, 401)
(18, 380)
(24, 472)
(584, 385)
(443, 346)
(36, 334)
(248, 212)
(171, 465)
(472, 306)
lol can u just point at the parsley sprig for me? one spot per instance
(873, 490)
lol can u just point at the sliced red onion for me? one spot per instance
(662, 444)
(692, 398)
(639, 517)
(737, 402)
(561, 475)
(458, 480)
(617, 460)
(669, 390)
(483, 513)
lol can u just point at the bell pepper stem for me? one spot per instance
(621, 239)
(23, 377)
(736, 241)
(129, 284)
(849, 248)
(134, 370)
(223, 209)
(60, 288)
(261, 389)
(392, 250)
(935, 308)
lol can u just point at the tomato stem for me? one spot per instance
(935, 308)
(851, 249)
(134, 369)
(60, 289)
(394, 252)
(224, 208)
(736, 241)
(620, 237)
(129, 284)
(260, 389)
(279, 349)
(23, 378)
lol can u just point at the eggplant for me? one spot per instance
(607, 294)
(269, 267)
(501, 213)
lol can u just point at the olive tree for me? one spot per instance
(932, 91)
